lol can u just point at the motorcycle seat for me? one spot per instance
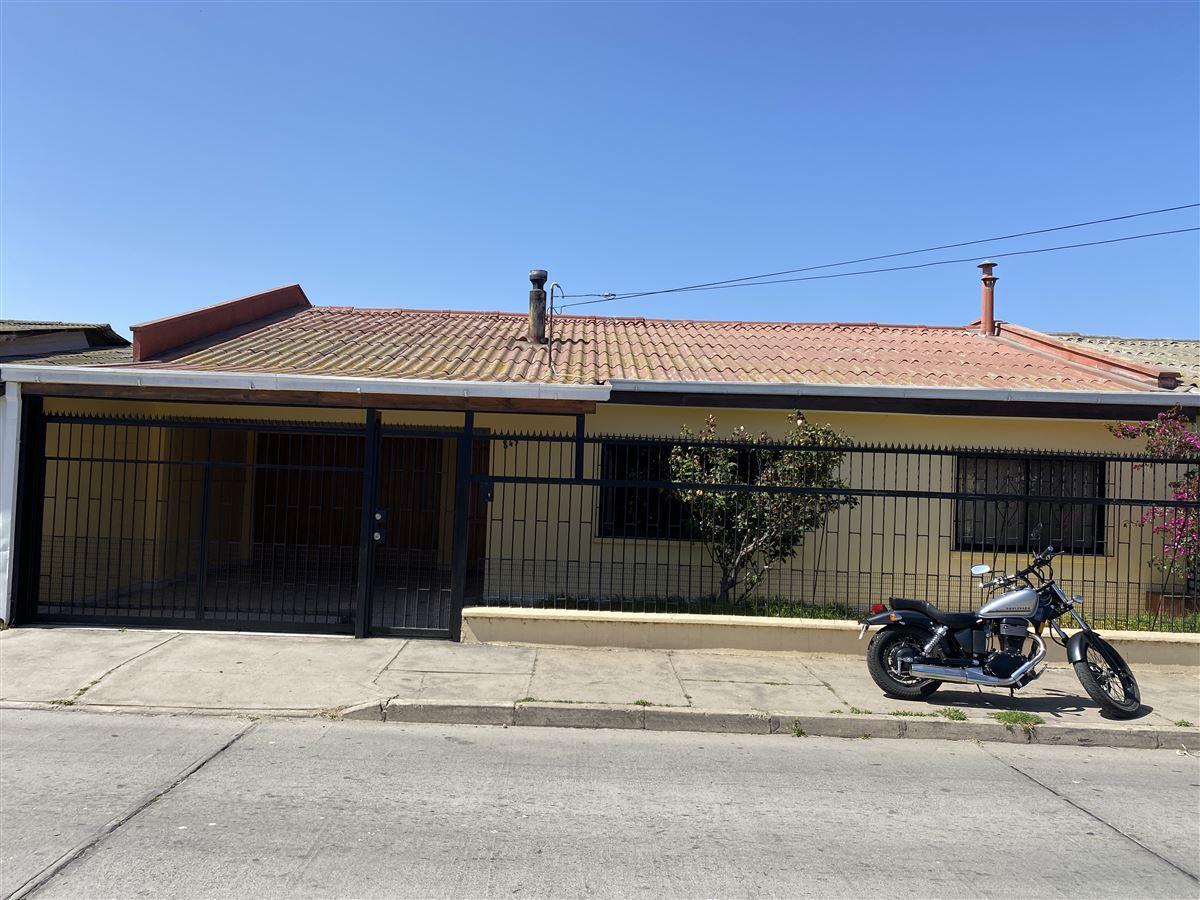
(949, 619)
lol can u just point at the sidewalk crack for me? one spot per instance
(828, 686)
(1087, 812)
(678, 680)
(532, 672)
(74, 698)
(388, 664)
(42, 878)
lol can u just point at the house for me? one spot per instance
(1182, 355)
(44, 343)
(267, 463)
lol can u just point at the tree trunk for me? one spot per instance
(726, 587)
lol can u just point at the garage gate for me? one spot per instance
(278, 526)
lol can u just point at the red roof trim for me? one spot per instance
(162, 335)
(1036, 340)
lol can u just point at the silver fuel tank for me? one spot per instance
(1020, 603)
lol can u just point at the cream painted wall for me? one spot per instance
(543, 543)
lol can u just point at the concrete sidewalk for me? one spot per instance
(436, 681)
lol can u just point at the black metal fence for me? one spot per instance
(243, 525)
(366, 528)
(761, 528)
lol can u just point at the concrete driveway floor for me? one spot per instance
(309, 675)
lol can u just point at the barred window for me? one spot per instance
(654, 513)
(1017, 523)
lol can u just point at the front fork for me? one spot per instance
(1058, 629)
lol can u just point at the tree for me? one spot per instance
(746, 532)
(1170, 436)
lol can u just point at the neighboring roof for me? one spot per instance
(491, 347)
(1180, 354)
(62, 343)
(97, 356)
(20, 326)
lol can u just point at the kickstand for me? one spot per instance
(1012, 692)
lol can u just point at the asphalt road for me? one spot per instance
(96, 805)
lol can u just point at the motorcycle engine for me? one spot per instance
(1011, 655)
(1003, 664)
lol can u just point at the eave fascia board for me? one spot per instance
(265, 381)
(906, 392)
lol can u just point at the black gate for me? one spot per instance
(413, 530)
(275, 526)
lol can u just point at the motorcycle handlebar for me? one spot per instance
(1038, 561)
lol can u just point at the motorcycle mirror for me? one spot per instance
(981, 569)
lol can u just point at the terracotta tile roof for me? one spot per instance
(1178, 354)
(490, 346)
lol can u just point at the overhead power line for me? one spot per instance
(940, 262)
(627, 295)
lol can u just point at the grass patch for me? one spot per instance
(1139, 621)
(797, 730)
(642, 703)
(775, 607)
(855, 711)
(1011, 718)
(1182, 723)
(64, 701)
(836, 712)
(954, 715)
(910, 712)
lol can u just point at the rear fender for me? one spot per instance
(896, 617)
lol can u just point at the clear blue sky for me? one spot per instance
(158, 157)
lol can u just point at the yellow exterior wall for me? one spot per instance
(542, 541)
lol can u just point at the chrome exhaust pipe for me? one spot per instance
(959, 675)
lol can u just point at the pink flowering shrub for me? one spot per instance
(1170, 436)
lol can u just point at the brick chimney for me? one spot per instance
(987, 315)
(537, 306)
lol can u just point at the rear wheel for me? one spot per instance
(1107, 679)
(883, 657)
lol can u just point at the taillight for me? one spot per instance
(877, 608)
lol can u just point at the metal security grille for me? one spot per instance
(368, 529)
(606, 522)
(214, 524)
(248, 525)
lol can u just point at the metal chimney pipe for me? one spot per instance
(537, 306)
(987, 316)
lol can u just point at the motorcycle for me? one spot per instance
(921, 647)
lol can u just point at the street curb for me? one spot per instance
(434, 712)
(579, 715)
(686, 719)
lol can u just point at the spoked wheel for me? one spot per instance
(1107, 679)
(883, 662)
